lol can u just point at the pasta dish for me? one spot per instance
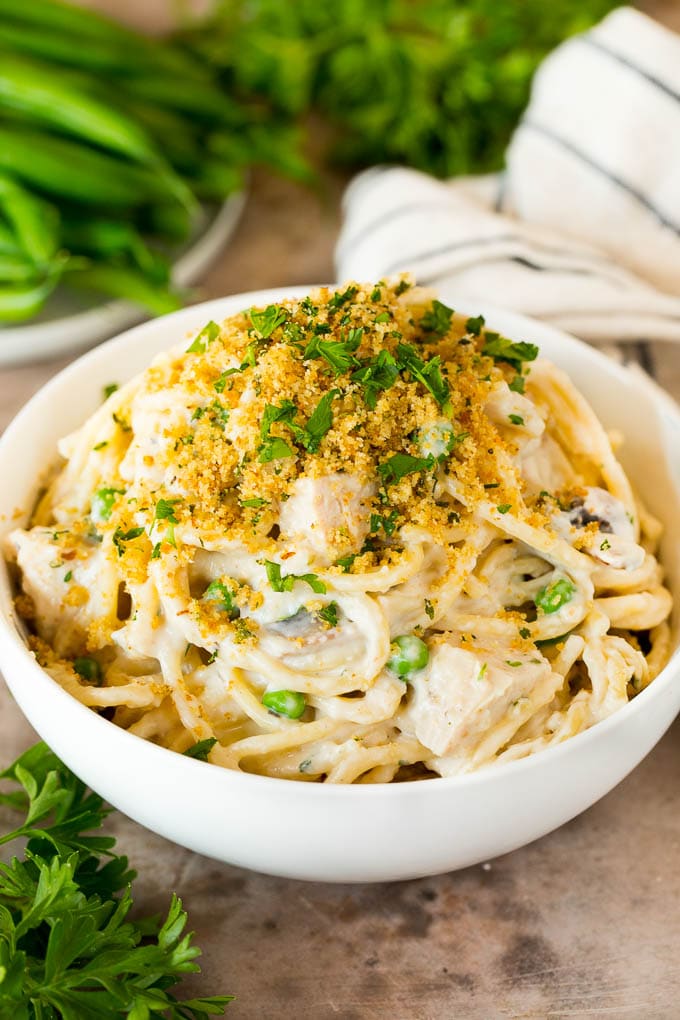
(354, 537)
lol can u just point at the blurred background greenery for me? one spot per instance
(113, 143)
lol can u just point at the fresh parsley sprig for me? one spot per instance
(285, 582)
(68, 949)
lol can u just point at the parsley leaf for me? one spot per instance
(399, 465)
(266, 320)
(338, 353)
(320, 421)
(102, 503)
(120, 537)
(376, 374)
(329, 614)
(284, 582)
(437, 319)
(202, 341)
(341, 298)
(223, 597)
(201, 749)
(68, 946)
(426, 372)
(255, 503)
(388, 524)
(109, 389)
(474, 325)
(515, 353)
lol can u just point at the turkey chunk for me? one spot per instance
(70, 595)
(462, 694)
(328, 516)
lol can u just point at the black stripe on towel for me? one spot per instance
(573, 150)
(627, 62)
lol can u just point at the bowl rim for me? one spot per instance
(444, 784)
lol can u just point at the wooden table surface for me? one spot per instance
(583, 923)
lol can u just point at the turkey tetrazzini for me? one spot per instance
(353, 537)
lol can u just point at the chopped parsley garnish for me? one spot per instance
(309, 435)
(605, 544)
(201, 750)
(402, 287)
(121, 422)
(429, 609)
(265, 321)
(68, 576)
(514, 352)
(474, 324)
(376, 374)
(156, 551)
(109, 389)
(320, 421)
(102, 503)
(516, 419)
(513, 662)
(376, 294)
(346, 562)
(341, 298)
(120, 537)
(100, 446)
(504, 507)
(255, 503)
(437, 319)
(399, 465)
(338, 353)
(165, 511)
(202, 341)
(426, 372)
(516, 384)
(524, 632)
(388, 524)
(329, 614)
(285, 582)
(383, 317)
(223, 597)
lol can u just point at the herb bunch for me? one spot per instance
(430, 83)
(68, 948)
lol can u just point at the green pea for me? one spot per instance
(436, 440)
(409, 654)
(555, 595)
(88, 669)
(289, 703)
(102, 503)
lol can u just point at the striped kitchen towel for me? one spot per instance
(582, 229)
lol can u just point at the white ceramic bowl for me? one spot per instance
(341, 833)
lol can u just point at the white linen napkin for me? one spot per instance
(582, 229)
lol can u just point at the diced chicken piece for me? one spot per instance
(70, 595)
(462, 694)
(155, 423)
(613, 542)
(546, 467)
(509, 409)
(328, 516)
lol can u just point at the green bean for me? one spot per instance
(67, 169)
(112, 239)
(85, 29)
(40, 92)
(23, 300)
(126, 283)
(108, 56)
(15, 268)
(35, 223)
(199, 99)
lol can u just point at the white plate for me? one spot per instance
(71, 322)
(341, 833)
